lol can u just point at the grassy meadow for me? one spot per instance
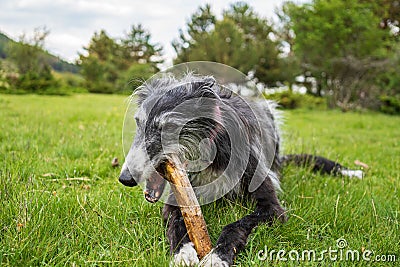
(61, 203)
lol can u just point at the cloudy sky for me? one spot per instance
(73, 22)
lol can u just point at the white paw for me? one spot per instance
(187, 256)
(213, 260)
(353, 173)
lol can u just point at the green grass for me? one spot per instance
(47, 219)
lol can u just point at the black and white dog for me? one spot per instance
(230, 146)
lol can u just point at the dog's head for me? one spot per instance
(173, 117)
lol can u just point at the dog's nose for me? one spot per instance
(126, 178)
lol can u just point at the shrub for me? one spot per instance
(290, 100)
(134, 77)
(390, 104)
(70, 82)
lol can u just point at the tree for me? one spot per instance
(223, 44)
(261, 53)
(137, 47)
(98, 67)
(388, 11)
(241, 39)
(26, 53)
(335, 35)
(286, 39)
(34, 73)
(109, 63)
(198, 27)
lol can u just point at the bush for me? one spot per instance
(8, 74)
(390, 104)
(44, 83)
(313, 102)
(36, 82)
(71, 82)
(290, 100)
(134, 77)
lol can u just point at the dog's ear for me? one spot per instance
(207, 81)
(204, 88)
(206, 91)
(141, 93)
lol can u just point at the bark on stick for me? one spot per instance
(188, 204)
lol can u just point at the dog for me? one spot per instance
(230, 147)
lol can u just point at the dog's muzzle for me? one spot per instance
(126, 178)
(154, 187)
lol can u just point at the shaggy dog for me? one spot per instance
(230, 146)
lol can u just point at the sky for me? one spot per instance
(72, 23)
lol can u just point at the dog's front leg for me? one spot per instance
(181, 247)
(234, 236)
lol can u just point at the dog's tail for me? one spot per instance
(320, 164)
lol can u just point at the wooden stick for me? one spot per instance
(190, 208)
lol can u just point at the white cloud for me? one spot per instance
(65, 44)
(109, 8)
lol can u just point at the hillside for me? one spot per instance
(58, 64)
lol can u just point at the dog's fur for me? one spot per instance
(251, 169)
